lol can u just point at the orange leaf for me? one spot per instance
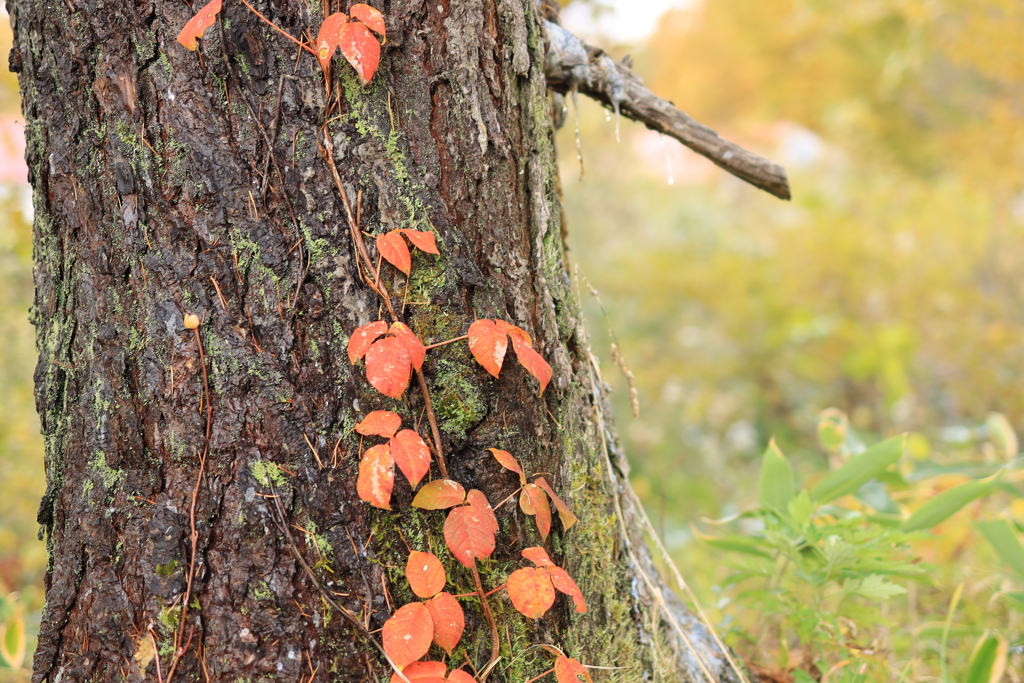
(488, 345)
(513, 331)
(380, 423)
(533, 502)
(568, 670)
(425, 574)
(532, 361)
(449, 620)
(408, 633)
(417, 351)
(411, 455)
(328, 38)
(468, 534)
(197, 25)
(531, 591)
(564, 513)
(422, 240)
(459, 676)
(506, 460)
(393, 249)
(477, 499)
(439, 494)
(388, 367)
(369, 16)
(422, 672)
(360, 341)
(563, 582)
(376, 476)
(538, 556)
(362, 51)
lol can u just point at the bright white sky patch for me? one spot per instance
(625, 21)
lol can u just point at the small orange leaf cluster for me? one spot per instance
(532, 589)
(404, 448)
(349, 32)
(471, 525)
(391, 360)
(488, 342)
(413, 627)
(532, 500)
(392, 247)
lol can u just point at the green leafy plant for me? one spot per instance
(816, 565)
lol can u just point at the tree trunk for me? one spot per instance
(169, 183)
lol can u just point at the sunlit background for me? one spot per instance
(890, 287)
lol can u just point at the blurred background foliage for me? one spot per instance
(889, 287)
(22, 555)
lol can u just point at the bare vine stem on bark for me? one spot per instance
(281, 520)
(360, 246)
(573, 65)
(495, 639)
(277, 28)
(179, 650)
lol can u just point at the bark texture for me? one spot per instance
(169, 182)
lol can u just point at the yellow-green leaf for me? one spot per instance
(947, 503)
(776, 479)
(12, 639)
(1004, 539)
(988, 662)
(859, 470)
(1002, 435)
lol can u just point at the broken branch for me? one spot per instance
(572, 65)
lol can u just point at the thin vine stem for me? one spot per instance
(495, 639)
(280, 30)
(179, 651)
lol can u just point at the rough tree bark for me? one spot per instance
(168, 182)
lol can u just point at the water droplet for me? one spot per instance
(668, 161)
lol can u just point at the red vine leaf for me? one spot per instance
(513, 331)
(532, 361)
(533, 502)
(422, 240)
(531, 591)
(488, 345)
(506, 460)
(408, 634)
(468, 534)
(564, 513)
(388, 367)
(380, 423)
(328, 37)
(477, 499)
(568, 670)
(449, 620)
(371, 17)
(392, 247)
(362, 51)
(439, 494)
(422, 672)
(417, 351)
(538, 556)
(360, 341)
(459, 676)
(425, 574)
(563, 582)
(376, 476)
(411, 455)
(197, 25)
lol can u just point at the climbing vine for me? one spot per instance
(392, 354)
